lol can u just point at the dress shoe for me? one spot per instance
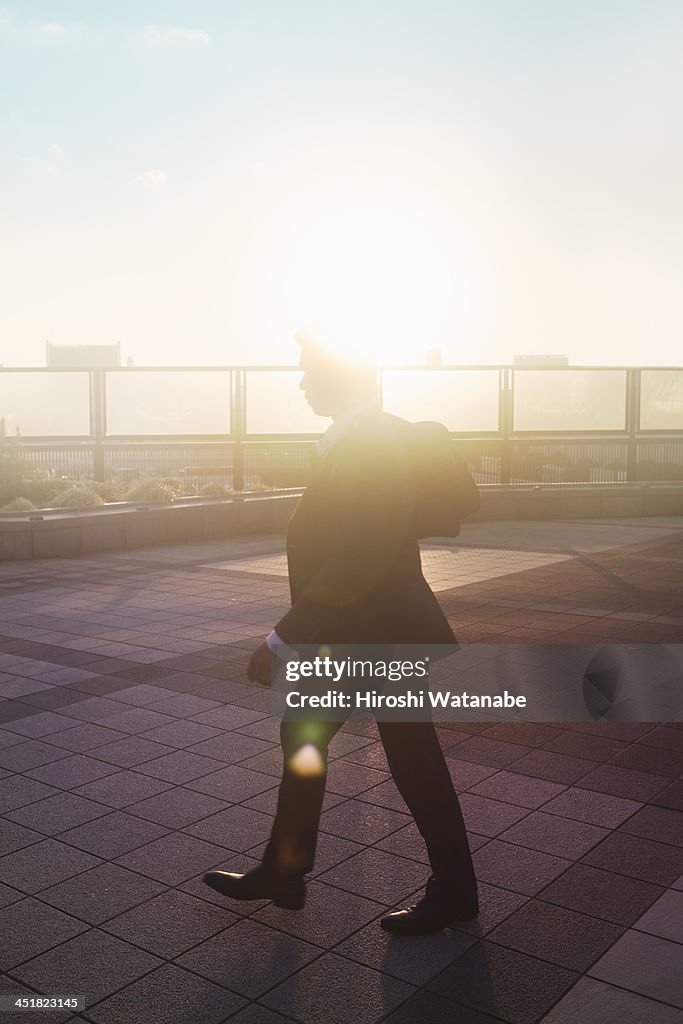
(437, 909)
(287, 891)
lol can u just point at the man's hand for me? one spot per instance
(259, 669)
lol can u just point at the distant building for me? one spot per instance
(541, 360)
(82, 355)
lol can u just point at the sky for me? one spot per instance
(198, 180)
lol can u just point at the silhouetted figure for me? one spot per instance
(356, 578)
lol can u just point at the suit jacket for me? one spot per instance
(354, 562)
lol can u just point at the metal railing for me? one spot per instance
(228, 423)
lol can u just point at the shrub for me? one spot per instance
(76, 496)
(108, 490)
(151, 490)
(18, 505)
(214, 490)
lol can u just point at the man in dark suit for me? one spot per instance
(356, 578)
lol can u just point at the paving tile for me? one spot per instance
(184, 705)
(266, 957)
(522, 790)
(595, 808)
(624, 782)
(488, 817)
(181, 733)
(170, 924)
(349, 779)
(646, 964)
(42, 723)
(414, 959)
(236, 828)
(94, 964)
(258, 1014)
(57, 813)
(8, 739)
(169, 995)
(637, 858)
(29, 927)
(15, 837)
(522, 871)
(70, 772)
(176, 807)
(43, 864)
(546, 764)
(557, 935)
(528, 734)
(92, 709)
(592, 1000)
(122, 789)
(141, 695)
(113, 834)
(664, 918)
(552, 834)
(231, 747)
(337, 991)
(233, 783)
(269, 763)
(14, 710)
(180, 767)
(672, 796)
(230, 717)
(330, 915)
(16, 686)
(84, 737)
(52, 697)
(101, 893)
(427, 1008)
(583, 744)
(9, 895)
(602, 894)
(17, 790)
(465, 773)
(131, 751)
(659, 823)
(136, 720)
(504, 983)
(173, 858)
(378, 875)
(367, 823)
(654, 760)
(494, 753)
(385, 795)
(495, 905)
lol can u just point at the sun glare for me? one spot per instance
(375, 280)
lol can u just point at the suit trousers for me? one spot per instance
(418, 767)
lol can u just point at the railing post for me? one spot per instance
(238, 428)
(632, 423)
(505, 423)
(98, 420)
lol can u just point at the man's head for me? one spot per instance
(332, 382)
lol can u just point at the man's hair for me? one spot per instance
(359, 372)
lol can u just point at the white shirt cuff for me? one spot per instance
(283, 650)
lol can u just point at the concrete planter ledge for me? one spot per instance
(49, 533)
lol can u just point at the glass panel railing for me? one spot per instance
(45, 403)
(276, 405)
(569, 400)
(661, 400)
(166, 402)
(463, 400)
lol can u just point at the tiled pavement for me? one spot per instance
(133, 757)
